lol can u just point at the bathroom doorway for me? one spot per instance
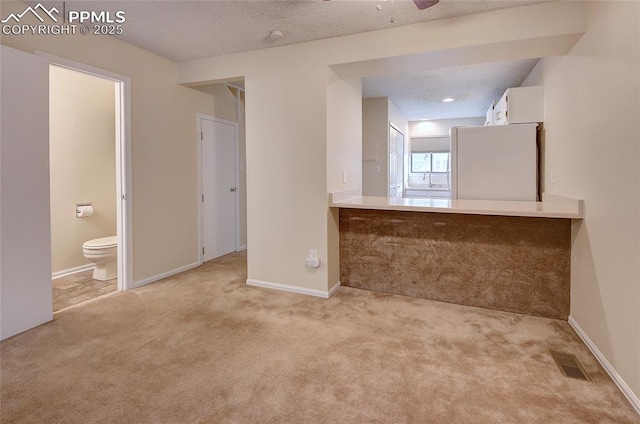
(90, 182)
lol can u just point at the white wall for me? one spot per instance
(286, 100)
(344, 133)
(287, 172)
(397, 118)
(344, 152)
(164, 143)
(377, 114)
(25, 233)
(375, 142)
(441, 127)
(82, 157)
(591, 145)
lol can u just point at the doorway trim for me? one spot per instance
(124, 209)
(395, 127)
(199, 137)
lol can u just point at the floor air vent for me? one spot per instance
(569, 365)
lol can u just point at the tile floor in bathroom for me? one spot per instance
(78, 288)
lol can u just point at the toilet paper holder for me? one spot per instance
(81, 211)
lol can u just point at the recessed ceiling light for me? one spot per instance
(447, 100)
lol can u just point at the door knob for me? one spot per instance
(233, 189)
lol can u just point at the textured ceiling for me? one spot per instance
(474, 87)
(182, 30)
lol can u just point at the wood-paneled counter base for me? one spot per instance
(514, 264)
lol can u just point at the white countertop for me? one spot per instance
(551, 207)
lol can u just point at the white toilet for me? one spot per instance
(102, 252)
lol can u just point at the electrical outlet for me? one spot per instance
(312, 261)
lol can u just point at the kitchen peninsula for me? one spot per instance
(509, 256)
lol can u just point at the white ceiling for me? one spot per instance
(418, 95)
(182, 30)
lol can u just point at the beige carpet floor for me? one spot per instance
(203, 347)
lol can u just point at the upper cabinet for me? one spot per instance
(490, 114)
(519, 105)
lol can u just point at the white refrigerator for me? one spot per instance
(495, 162)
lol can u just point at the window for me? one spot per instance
(430, 168)
(429, 162)
(439, 162)
(420, 162)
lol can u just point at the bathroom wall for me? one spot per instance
(82, 163)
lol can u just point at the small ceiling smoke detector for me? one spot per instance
(276, 35)
(447, 100)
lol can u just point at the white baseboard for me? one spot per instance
(294, 289)
(71, 271)
(155, 278)
(335, 288)
(241, 248)
(624, 388)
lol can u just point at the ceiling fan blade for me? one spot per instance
(423, 4)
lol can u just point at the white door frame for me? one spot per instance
(404, 141)
(124, 210)
(200, 117)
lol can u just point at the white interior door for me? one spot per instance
(219, 189)
(25, 232)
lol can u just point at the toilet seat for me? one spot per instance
(101, 243)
